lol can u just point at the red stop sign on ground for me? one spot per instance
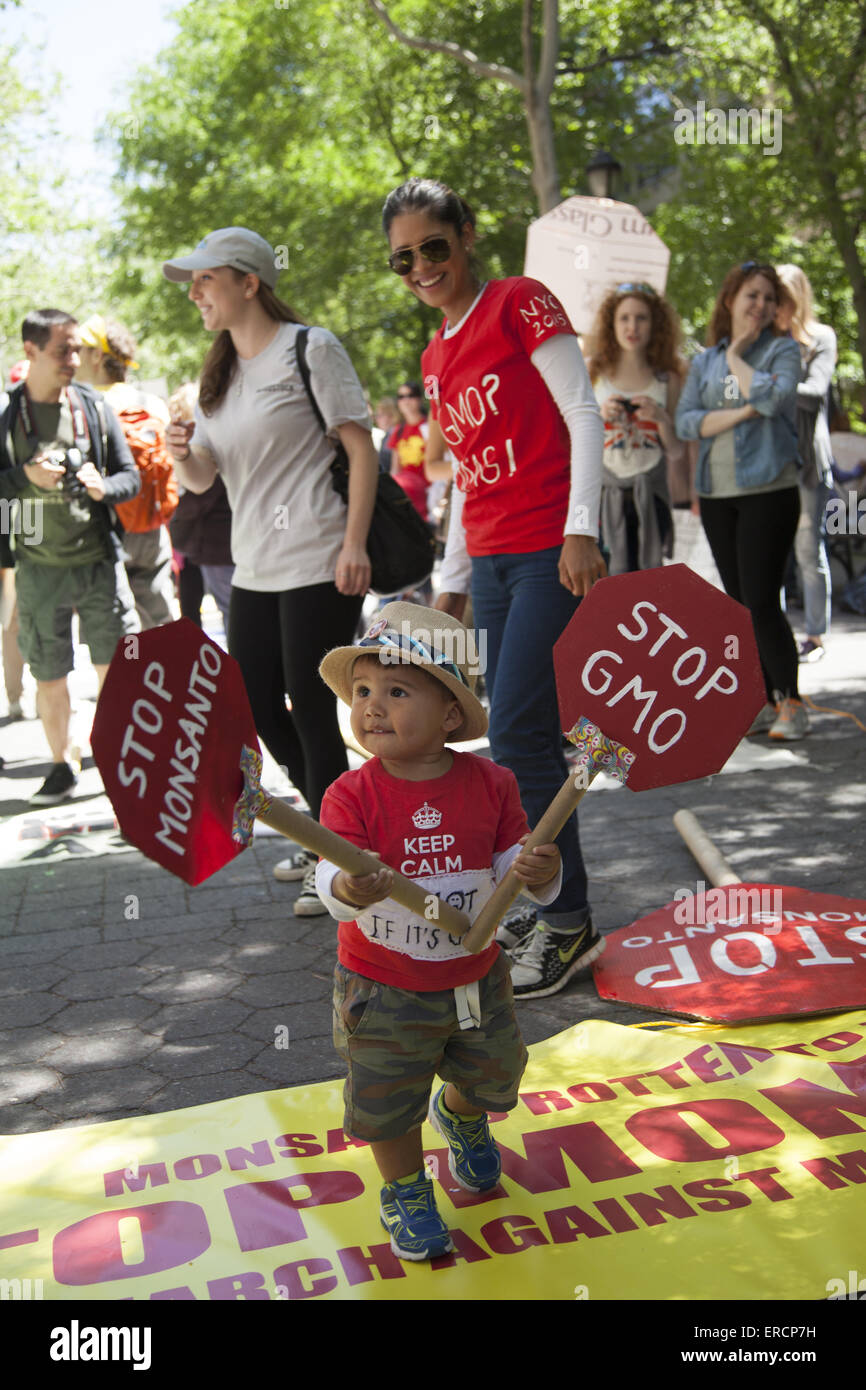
(739, 954)
(666, 664)
(171, 721)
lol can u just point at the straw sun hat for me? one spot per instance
(408, 633)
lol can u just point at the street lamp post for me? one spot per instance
(601, 173)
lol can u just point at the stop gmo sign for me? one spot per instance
(666, 664)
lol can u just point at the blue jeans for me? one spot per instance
(811, 556)
(520, 609)
(218, 582)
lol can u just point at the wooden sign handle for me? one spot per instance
(561, 807)
(313, 836)
(597, 754)
(709, 856)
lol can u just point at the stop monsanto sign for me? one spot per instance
(665, 663)
(172, 719)
(739, 954)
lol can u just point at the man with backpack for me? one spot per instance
(107, 354)
(64, 466)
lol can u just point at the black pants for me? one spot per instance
(278, 640)
(190, 591)
(750, 538)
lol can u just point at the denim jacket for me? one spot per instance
(764, 445)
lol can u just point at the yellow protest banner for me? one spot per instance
(698, 1162)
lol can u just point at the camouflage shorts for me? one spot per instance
(395, 1041)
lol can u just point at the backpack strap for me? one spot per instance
(340, 461)
(99, 403)
(79, 420)
(304, 369)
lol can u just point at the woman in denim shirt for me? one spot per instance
(740, 402)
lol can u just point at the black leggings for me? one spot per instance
(750, 537)
(278, 640)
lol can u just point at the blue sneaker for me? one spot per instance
(473, 1156)
(409, 1215)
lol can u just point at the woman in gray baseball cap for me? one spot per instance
(301, 566)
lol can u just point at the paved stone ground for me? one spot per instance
(105, 1014)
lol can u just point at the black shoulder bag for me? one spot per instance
(400, 543)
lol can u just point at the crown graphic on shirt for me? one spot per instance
(426, 818)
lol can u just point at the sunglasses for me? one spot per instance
(408, 396)
(639, 286)
(436, 249)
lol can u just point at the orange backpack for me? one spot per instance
(157, 500)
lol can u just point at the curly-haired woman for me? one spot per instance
(637, 375)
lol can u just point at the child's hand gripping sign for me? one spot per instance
(658, 679)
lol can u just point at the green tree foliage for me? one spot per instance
(49, 257)
(298, 119)
(298, 122)
(805, 203)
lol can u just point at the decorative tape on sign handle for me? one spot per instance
(597, 754)
(253, 800)
(254, 803)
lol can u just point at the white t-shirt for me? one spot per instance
(287, 521)
(125, 395)
(632, 445)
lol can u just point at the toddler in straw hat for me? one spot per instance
(409, 1000)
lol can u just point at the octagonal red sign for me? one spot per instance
(666, 664)
(739, 954)
(171, 721)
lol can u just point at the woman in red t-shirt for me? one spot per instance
(407, 444)
(511, 398)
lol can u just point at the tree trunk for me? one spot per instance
(538, 91)
(545, 175)
(846, 245)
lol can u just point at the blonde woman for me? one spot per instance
(817, 345)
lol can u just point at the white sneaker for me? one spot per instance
(296, 866)
(764, 720)
(516, 924)
(793, 721)
(546, 960)
(309, 904)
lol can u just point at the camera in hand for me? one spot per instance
(71, 461)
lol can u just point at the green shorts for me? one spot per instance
(47, 598)
(395, 1042)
